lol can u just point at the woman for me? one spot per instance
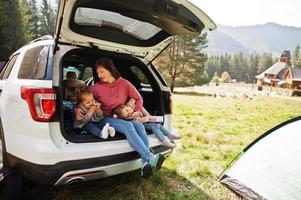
(111, 90)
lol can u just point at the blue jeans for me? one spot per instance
(135, 133)
(94, 127)
(157, 129)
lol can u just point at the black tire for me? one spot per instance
(3, 162)
(11, 187)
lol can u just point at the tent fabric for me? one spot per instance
(240, 188)
(270, 166)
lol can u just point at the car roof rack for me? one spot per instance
(45, 37)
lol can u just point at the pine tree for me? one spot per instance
(11, 36)
(296, 58)
(183, 62)
(211, 66)
(252, 64)
(265, 61)
(225, 77)
(47, 18)
(26, 26)
(215, 79)
(34, 21)
(234, 69)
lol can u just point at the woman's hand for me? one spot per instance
(151, 118)
(144, 119)
(135, 115)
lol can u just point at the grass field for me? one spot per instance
(214, 131)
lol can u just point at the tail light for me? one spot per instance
(41, 102)
(170, 103)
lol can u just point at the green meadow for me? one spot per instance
(213, 130)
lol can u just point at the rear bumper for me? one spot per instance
(85, 169)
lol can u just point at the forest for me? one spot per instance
(21, 21)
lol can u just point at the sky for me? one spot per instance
(252, 12)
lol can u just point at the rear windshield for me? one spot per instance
(111, 20)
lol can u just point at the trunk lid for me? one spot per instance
(141, 28)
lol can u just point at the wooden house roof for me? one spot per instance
(296, 74)
(277, 69)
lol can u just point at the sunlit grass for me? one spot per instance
(214, 131)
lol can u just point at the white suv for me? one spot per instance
(37, 138)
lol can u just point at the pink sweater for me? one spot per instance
(114, 94)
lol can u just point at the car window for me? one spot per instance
(158, 75)
(34, 63)
(111, 20)
(87, 73)
(2, 64)
(139, 74)
(71, 69)
(8, 67)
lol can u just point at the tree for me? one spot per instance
(225, 77)
(34, 20)
(47, 18)
(252, 65)
(26, 25)
(235, 67)
(211, 66)
(215, 79)
(183, 61)
(265, 61)
(11, 36)
(296, 58)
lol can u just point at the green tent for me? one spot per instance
(270, 167)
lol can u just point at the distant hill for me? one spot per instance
(270, 37)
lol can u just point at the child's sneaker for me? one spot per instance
(156, 161)
(111, 131)
(174, 136)
(146, 170)
(104, 134)
(167, 143)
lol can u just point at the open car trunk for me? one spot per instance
(145, 80)
(136, 31)
(143, 28)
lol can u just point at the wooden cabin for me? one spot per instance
(292, 78)
(281, 74)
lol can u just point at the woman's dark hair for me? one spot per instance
(108, 64)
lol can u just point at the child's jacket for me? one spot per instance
(96, 117)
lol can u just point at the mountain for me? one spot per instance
(269, 37)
